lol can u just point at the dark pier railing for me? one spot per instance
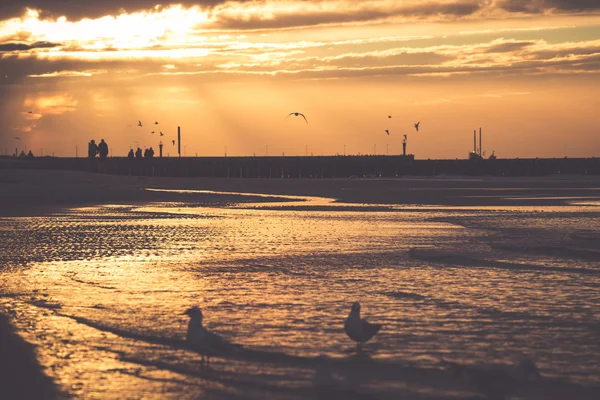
(310, 167)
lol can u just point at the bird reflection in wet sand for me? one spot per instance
(328, 385)
(359, 329)
(203, 341)
(497, 382)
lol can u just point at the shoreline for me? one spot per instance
(37, 192)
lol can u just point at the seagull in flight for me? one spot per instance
(388, 132)
(204, 342)
(140, 123)
(18, 138)
(417, 126)
(298, 114)
(389, 116)
(155, 123)
(405, 138)
(152, 132)
(359, 329)
(161, 134)
(173, 142)
(29, 112)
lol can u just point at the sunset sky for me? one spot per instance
(229, 72)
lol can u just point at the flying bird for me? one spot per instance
(298, 114)
(152, 132)
(173, 142)
(359, 329)
(388, 132)
(156, 123)
(140, 123)
(417, 126)
(18, 138)
(29, 112)
(389, 116)
(203, 341)
(405, 138)
(161, 134)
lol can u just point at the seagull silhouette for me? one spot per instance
(297, 114)
(156, 123)
(173, 142)
(152, 132)
(389, 116)
(161, 134)
(18, 138)
(29, 112)
(405, 138)
(203, 341)
(140, 123)
(359, 329)
(388, 132)
(417, 126)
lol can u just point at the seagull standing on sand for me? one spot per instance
(201, 340)
(298, 114)
(497, 381)
(417, 126)
(359, 329)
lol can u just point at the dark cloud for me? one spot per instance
(77, 9)
(311, 18)
(508, 47)
(4, 47)
(538, 6)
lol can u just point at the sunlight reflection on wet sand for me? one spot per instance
(101, 290)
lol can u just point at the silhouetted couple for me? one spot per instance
(101, 149)
(149, 153)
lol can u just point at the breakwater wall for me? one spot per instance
(309, 167)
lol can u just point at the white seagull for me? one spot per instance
(497, 381)
(359, 329)
(204, 342)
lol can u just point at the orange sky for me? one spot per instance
(229, 73)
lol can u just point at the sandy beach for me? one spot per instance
(98, 269)
(30, 191)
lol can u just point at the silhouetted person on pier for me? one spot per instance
(102, 149)
(145, 153)
(150, 152)
(130, 154)
(30, 154)
(92, 149)
(138, 153)
(22, 155)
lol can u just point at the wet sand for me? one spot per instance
(21, 376)
(28, 192)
